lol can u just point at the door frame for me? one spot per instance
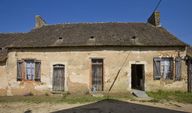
(61, 76)
(90, 79)
(141, 87)
(65, 75)
(129, 73)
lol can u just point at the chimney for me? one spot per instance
(154, 19)
(39, 22)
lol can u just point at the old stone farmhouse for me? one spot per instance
(94, 57)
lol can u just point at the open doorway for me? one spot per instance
(137, 76)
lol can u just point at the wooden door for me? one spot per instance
(58, 77)
(97, 74)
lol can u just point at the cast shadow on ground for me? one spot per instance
(116, 106)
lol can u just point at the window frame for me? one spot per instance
(157, 63)
(29, 70)
(22, 76)
(169, 75)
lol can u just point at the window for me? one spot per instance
(163, 68)
(28, 70)
(166, 68)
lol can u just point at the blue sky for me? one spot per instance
(18, 15)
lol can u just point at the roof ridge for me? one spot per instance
(8, 33)
(68, 23)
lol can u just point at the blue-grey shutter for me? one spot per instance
(37, 70)
(171, 69)
(189, 75)
(156, 68)
(177, 68)
(19, 70)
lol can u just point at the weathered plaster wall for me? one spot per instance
(78, 69)
(3, 79)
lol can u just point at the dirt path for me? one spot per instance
(17, 107)
(105, 106)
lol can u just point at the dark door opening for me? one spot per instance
(189, 72)
(58, 77)
(97, 75)
(137, 76)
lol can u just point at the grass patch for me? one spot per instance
(71, 99)
(29, 99)
(178, 96)
(50, 99)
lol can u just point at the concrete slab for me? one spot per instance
(140, 94)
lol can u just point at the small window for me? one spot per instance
(92, 37)
(28, 70)
(133, 37)
(60, 38)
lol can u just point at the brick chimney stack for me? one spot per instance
(39, 22)
(154, 19)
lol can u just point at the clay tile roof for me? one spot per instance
(92, 34)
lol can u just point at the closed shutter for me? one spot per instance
(156, 68)
(171, 69)
(19, 70)
(177, 68)
(190, 75)
(37, 70)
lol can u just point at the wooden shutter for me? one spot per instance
(156, 68)
(37, 70)
(171, 68)
(177, 68)
(189, 71)
(19, 70)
